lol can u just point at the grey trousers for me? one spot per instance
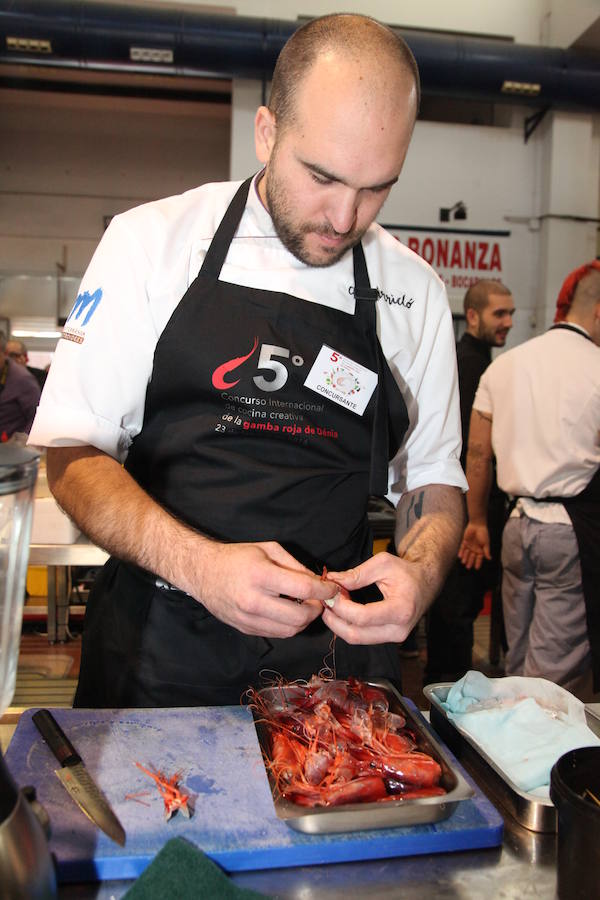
(542, 599)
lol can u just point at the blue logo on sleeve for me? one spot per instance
(85, 301)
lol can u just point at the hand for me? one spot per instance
(387, 620)
(475, 546)
(260, 589)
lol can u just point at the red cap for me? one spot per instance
(567, 291)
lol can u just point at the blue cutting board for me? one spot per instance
(216, 749)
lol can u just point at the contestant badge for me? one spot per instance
(341, 380)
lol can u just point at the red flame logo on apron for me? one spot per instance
(218, 376)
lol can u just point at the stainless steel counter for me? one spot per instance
(58, 558)
(524, 866)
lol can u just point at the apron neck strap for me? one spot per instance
(362, 285)
(564, 326)
(219, 247)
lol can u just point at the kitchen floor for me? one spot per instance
(47, 674)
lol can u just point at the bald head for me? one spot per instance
(373, 51)
(334, 138)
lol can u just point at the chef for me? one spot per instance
(537, 408)
(245, 364)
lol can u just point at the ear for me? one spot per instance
(265, 130)
(472, 317)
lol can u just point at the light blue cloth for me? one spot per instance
(522, 724)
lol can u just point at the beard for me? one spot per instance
(491, 337)
(293, 235)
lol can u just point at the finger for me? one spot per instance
(364, 617)
(281, 619)
(366, 573)
(358, 634)
(280, 555)
(312, 586)
(468, 558)
(306, 587)
(288, 611)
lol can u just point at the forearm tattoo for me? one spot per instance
(416, 507)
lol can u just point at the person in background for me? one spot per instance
(19, 395)
(489, 308)
(258, 386)
(537, 409)
(18, 351)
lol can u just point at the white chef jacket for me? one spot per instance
(544, 400)
(143, 266)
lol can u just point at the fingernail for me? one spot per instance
(330, 602)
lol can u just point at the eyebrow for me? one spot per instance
(318, 170)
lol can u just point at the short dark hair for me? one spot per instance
(341, 31)
(20, 344)
(478, 295)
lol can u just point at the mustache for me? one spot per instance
(328, 231)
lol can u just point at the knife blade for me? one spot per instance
(76, 779)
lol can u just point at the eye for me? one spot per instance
(320, 179)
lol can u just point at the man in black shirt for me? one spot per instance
(18, 351)
(489, 309)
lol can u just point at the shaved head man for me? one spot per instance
(263, 384)
(335, 134)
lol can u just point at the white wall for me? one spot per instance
(492, 171)
(67, 161)
(517, 19)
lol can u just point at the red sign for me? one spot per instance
(459, 259)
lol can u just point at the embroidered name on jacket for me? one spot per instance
(390, 299)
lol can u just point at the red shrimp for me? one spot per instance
(335, 742)
(414, 768)
(372, 696)
(284, 763)
(400, 791)
(366, 789)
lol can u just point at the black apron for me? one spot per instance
(234, 444)
(584, 512)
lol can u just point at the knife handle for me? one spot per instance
(55, 737)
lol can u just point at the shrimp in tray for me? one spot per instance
(332, 742)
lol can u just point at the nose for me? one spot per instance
(342, 210)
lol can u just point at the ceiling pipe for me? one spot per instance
(173, 41)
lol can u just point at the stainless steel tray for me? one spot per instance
(388, 814)
(592, 715)
(534, 813)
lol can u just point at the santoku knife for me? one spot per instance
(76, 779)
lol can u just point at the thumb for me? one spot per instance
(354, 579)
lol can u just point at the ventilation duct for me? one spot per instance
(172, 41)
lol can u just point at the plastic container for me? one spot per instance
(18, 471)
(573, 777)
